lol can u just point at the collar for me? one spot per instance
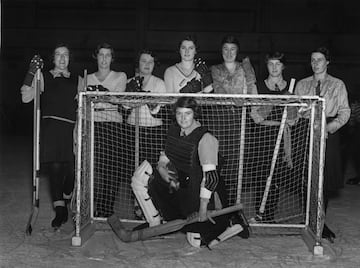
(271, 85)
(188, 131)
(57, 73)
(315, 81)
(237, 67)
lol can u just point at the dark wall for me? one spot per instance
(292, 26)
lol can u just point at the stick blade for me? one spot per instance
(32, 220)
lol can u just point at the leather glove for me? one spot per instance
(193, 86)
(35, 64)
(204, 71)
(135, 85)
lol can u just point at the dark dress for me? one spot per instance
(58, 99)
(58, 111)
(264, 140)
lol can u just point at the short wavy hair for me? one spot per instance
(104, 45)
(188, 102)
(149, 52)
(323, 50)
(275, 55)
(230, 39)
(190, 37)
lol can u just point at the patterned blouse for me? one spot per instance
(242, 81)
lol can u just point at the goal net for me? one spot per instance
(272, 151)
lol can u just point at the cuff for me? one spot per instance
(208, 167)
(205, 193)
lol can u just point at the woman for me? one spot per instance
(337, 112)
(189, 75)
(232, 77)
(192, 153)
(151, 127)
(58, 112)
(268, 119)
(108, 125)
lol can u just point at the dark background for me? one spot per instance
(294, 27)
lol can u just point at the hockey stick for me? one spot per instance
(36, 157)
(169, 227)
(275, 154)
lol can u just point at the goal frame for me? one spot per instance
(310, 231)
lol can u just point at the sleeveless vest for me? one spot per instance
(183, 151)
(58, 98)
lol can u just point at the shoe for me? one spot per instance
(61, 217)
(239, 218)
(328, 234)
(353, 181)
(231, 231)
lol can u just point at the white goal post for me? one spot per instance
(117, 131)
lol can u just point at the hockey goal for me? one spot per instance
(272, 149)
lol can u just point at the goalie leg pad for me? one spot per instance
(139, 186)
(151, 214)
(229, 232)
(142, 174)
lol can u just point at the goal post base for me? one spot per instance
(85, 233)
(313, 245)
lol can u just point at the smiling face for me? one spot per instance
(104, 58)
(61, 58)
(319, 63)
(229, 52)
(187, 50)
(146, 64)
(275, 68)
(185, 117)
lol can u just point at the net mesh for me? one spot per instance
(257, 146)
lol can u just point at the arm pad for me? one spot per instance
(211, 182)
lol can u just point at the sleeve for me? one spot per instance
(160, 86)
(249, 76)
(299, 88)
(121, 85)
(249, 71)
(208, 154)
(168, 79)
(81, 84)
(208, 150)
(344, 110)
(216, 81)
(28, 93)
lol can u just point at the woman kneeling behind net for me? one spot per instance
(186, 182)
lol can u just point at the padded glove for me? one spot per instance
(35, 64)
(204, 71)
(135, 85)
(193, 86)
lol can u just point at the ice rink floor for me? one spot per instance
(46, 248)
